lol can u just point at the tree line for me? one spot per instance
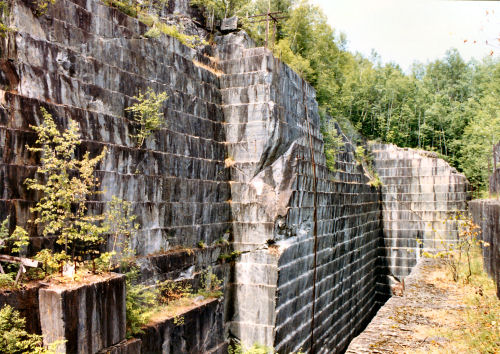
(448, 106)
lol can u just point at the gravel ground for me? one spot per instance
(403, 324)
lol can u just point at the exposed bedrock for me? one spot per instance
(420, 195)
(307, 277)
(486, 213)
(87, 317)
(239, 166)
(85, 61)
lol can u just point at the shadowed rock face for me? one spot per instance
(486, 213)
(89, 317)
(420, 193)
(495, 176)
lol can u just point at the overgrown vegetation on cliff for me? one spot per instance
(448, 106)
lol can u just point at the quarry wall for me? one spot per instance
(307, 277)
(85, 61)
(240, 158)
(486, 214)
(420, 194)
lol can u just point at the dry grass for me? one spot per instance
(213, 69)
(472, 326)
(176, 308)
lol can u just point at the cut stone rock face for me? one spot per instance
(240, 158)
(88, 317)
(420, 195)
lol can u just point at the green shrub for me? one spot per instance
(333, 144)
(42, 6)
(65, 184)
(140, 303)
(119, 223)
(14, 242)
(13, 337)
(147, 114)
(127, 8)
(211, 285)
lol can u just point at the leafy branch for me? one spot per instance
(147, 114)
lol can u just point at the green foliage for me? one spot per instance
(147, 114)
(221, 9)
(455, 253)
(202, 244)
(15, 242)
(7, 281)
(4, 16)
(140, 303)
(333, 144)
(229, 257)
(13, 337)
(366, 160)
(65, 183)
(153, 32)
(211, 285)
(298, 63)
(158, 27)
(129, 8)
(119, 223)
(255, 349)
(52, 262)
(42, 6)
(171, 290)
(145, 12)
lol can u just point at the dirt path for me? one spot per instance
(433, 316)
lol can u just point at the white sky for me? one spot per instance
(404, 31)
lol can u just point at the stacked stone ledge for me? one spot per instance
(86, 61)
(86, 318)
(420, 194)
(89, 72)
(270, 142)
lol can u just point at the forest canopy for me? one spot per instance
(449, 106)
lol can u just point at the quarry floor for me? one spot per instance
(436, 315)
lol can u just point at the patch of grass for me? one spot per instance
(125, 7)
(157, 27)
(475, 328)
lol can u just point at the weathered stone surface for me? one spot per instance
(89, 317)
(486, 213)
(229, 24)
(25, 301)
(85, 61)
(419, 194)
(202, 331)
(282, 278)
(183, 263)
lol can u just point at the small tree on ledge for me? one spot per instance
(65, 184)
